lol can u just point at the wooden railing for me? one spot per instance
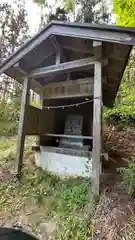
(69, 89)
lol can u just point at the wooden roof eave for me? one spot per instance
(60, 30)
(85, 31)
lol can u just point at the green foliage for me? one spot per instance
(74, 227)
(60, 14)
(124, 108)
(125, 12)
(35, 102)
(129, 176)
(123, 112)
(73, 192)
(92, 11)
(64, 200)
(80, 11)
(7, 150)
(69, 5)
(40, 2)
(45, 189)
(14, 27)
(14, 31)
(6, 143)
(9, 114)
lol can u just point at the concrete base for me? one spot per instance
(53, 160)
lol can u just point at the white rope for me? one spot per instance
(70, 105)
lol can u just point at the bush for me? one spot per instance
(128, 175)
(9, 114)
(120, 115)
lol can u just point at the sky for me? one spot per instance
(33, 15)
(34, 12)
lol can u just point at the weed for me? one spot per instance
(62, 199)
(128, 175)
(74, 227)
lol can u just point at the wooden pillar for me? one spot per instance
(96, 129)
(21, 128)
(42, 98)
(40, 119)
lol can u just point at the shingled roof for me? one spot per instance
(75, 40)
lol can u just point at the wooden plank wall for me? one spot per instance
(32, 120)
(39, 121)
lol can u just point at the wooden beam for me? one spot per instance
(96, 131)
(97, 49)
(59, 51)
(78, 46)
(106, 34)
(34, 84)
(55, 43)
(96, 151)
(71, 82)
(80, 64)
(21, 128)
(58, 57)
(67, 136)
(68, 76)
(19, 69)
(63, 67)
(42, 98)
(78, 49)
(70, 88)
(70, 96)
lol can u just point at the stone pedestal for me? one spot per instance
(64, 164)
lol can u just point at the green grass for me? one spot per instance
(6, 143)
(50, 197)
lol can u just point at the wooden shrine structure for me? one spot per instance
(67, 63)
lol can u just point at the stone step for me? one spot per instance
(67, 151)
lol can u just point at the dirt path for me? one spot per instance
(114, 218)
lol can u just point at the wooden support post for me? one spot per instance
(58, 57)
(96, 130)
(97, 49)
(21, 128)
(41, 98)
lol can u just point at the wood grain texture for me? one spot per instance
(32, 123)
(63, 67)
(67, 136)
(22, 125)
(33, 82)
(97, 49)
(69, 89)
(96, 130)
(98, 32)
